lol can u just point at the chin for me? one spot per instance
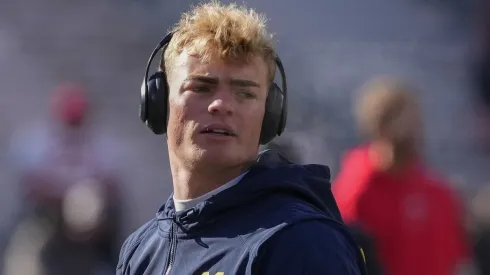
(220, 157)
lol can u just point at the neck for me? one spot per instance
(191, 182)
(390, 157)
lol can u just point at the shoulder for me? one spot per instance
(352, 182)
(138, 236)
(314, 233)
(355, 166)
(310, 246)
(134, 240)
(439, 186)
(355, 155)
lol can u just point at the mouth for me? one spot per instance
(218, 131)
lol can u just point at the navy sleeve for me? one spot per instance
(311, 247)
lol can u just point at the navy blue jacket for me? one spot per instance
(281, 218)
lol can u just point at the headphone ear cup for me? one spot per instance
(144, 102)
(273, 115)
(156, 103)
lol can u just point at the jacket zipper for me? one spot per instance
(173, 246)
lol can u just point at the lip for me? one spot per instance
(220, 126)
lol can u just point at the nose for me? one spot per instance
(222, 104)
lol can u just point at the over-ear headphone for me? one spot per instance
(154, 100)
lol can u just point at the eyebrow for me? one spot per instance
(244, 83)
(201, 78)
(215, 81)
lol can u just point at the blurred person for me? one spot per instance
(232, 211)
(70, 218)
(385, 189)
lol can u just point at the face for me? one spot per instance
(216, 111)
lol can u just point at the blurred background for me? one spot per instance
(70, 74)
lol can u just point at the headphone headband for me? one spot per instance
(284, 89)
(160, 46)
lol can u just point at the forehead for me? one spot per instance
(254, 69)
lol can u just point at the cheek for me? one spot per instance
(175, 121)
(181, 117)
(253, 122)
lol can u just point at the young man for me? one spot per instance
(385, 189)
(232, 211)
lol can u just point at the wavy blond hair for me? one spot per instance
(229, 32)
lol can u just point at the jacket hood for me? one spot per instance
(271, 174)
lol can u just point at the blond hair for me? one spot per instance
(229, 32)
(388, 109)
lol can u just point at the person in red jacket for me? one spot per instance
(385, 188)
